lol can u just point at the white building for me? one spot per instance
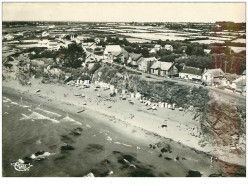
(168, 47)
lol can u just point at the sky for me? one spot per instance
(124, 12)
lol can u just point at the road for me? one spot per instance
(222, 95)
(225, 96)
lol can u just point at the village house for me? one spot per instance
(228, 79)
(134, 59)
(146, 63)
(155, 49)
(213, 77)
(239, 85)
(190, 73)
(111, 51)
(123, 57)
(161, 68)
(173, 71)
(168, 47)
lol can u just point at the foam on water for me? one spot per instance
(123, 144)
(49, 113)
(68, 119)
(24, 106)
(37, 116)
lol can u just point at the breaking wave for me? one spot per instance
(68, 119)
(37, 116)
(49, 113)
(123, 144)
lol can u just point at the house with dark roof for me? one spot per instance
(173, 71)
(134, 59)
(123, 56)
(190, 73)
(213, 77)
(161, 68)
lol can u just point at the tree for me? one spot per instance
(73, 56)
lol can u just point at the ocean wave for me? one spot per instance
(123, 144)
(37, 116)
(68, 119)
(24, 106)
(5, 99)
(49, 113)
(15, 103)
(88, 126)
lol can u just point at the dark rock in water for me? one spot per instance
(167, 158)
(94, 148)
(193, 174)
(150, 145)
(76, 132)
(39, 153)
(184, 158)
(116, 152)
(177, 158)
(216, 175)
(78, 129)
(153, 147)
(67, 147)
(167, 148)
(160, 155)
(105, 161)
(27, 160)
(142, 172)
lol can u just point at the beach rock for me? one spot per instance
(77, 131)
(166, 148)
(66, 147)
(193, 174)
(160, 155)
(94, 148)
(167, 158)
(40, 155)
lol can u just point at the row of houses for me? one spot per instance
(210, 77)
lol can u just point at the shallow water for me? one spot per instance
(29, 127)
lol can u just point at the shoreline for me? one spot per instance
(117, 114)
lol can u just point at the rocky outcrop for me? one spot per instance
(224, 125)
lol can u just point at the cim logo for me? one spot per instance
(21, 166)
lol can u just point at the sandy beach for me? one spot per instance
(124, 117)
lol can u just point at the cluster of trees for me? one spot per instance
(235, 63)
(72, 57)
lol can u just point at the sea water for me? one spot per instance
(29, 127)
